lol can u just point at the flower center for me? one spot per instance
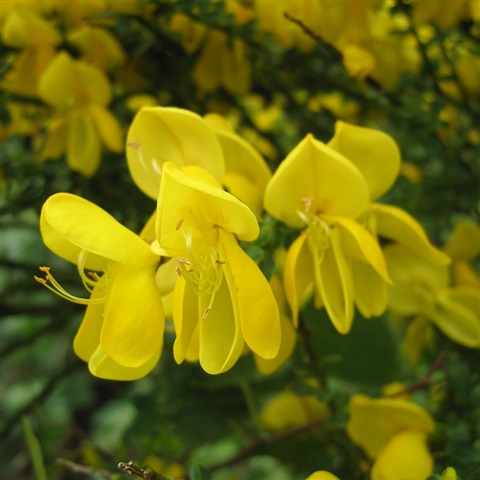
(202, 270)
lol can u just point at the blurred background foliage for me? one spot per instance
(215, 56)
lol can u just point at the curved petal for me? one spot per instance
(405, 455)
(373, 152)
(242, 161)
(87, 339)
(370, 290)
(322, 475)
(83, 143)
(415, 281)
(287, 344)
(298, 274)
(107, 127)
(187, 205)
(252, 299)
(336, 285)
(93, 84)
(59, 82)
(220, 334)
(456, 320)
(419, 334)
(103, 366)
(397, 225)
(373, 422)
(325, 179)
(161, 134)
(70, 225)
(464, 242)
(134, 321)
(185, 318)
(359, 244)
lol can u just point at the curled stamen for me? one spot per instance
(53, 285)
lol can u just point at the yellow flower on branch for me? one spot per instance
(393, 432)
(79, 93)
(318, 190)
(221, 300)
(121, 335)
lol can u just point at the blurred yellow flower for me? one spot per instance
(80, 94)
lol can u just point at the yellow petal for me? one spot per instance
(167, 134)
(103, 366)
(107, 127)
(370, 290)
(415, 281)
(418, 336)
(93, 84)
(242, 161)
(56, 142)
(373, 422)
(59, 83)
(325, 179)
(298, 274)
(405, 456)
(336, 285)
(185, 317)
(373, 152)
(397, 225)
(252, 299)
(288, 337)
(322, 475)
(83, 143)
(464, 242)
(23, 27)
(458, 316)
(187, 204)
(359, 244)
(134, 322)
(220, 333)
(70, 224)
(87, 339)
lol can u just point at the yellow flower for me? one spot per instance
(222, 63)
(421, 288)
(463, 247)
(80, 93)
(449, 474)
(221, 300)
(322, 475)
(393, 432)
(24, 28)
(319, 190)
(246, 173)
(288, 410)
(377, 157)
(160, 134)
(121, 335)
(98, 46)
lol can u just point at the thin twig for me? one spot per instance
(133, 469)
(264, 442)
(426, 380)
(83, 469)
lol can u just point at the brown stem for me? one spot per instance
(263, 442)
(83, 469)
(425, 381)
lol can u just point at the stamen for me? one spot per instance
(52, 284)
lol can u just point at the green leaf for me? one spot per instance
(35, 451)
